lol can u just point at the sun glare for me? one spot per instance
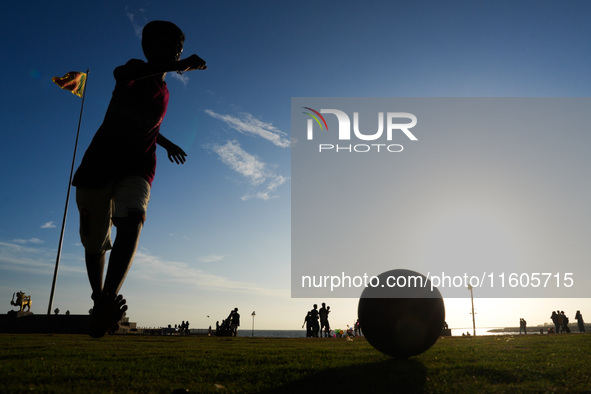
(470, 239)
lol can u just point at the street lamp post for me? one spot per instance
(253, 315)
(473, 317)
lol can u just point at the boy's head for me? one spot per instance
(162, 40)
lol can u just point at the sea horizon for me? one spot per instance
(269, 333)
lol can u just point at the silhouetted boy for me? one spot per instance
(114, 179)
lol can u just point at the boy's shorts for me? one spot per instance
(98, 207)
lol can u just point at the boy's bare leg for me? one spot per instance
(124, 247)
(111, 306)
(95, 265)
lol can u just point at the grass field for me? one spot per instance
(75, 363)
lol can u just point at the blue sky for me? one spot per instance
(218, 228)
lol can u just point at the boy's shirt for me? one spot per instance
(125, 144)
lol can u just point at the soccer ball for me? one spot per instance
(401, 321)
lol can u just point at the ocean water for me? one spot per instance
(302, 333)
(259, 333)
(272, 333)
(480, 331)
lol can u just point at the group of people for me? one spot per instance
(316, 322)
(560, 321)
(229, 326)
(182, 328)
(354, 331)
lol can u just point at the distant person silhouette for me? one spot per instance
(323, 314)
(315, 323)
(234, 320)
(327, 326)
(564, 322)
(114, 179)
(556, 320)
(522, 326)
(309, 325)
(580, 322)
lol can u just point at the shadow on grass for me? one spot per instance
(392, 375)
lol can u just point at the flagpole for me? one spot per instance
(59, 249)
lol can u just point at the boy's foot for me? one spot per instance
(107, 312)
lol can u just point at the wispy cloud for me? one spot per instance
(212, 258)
(154, 268)
(40, 261)
(138, 20)
(252, 168)
(241, 161)
(247, 124)
(29, 257)
(35, 241)
(271, 186)
(180, 77)
(48, 225)
(179, 236)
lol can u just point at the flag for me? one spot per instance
(73, 81)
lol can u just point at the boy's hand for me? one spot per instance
(176, 154)
(191, 63)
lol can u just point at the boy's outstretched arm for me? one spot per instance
(174, 152)
(138, 69)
